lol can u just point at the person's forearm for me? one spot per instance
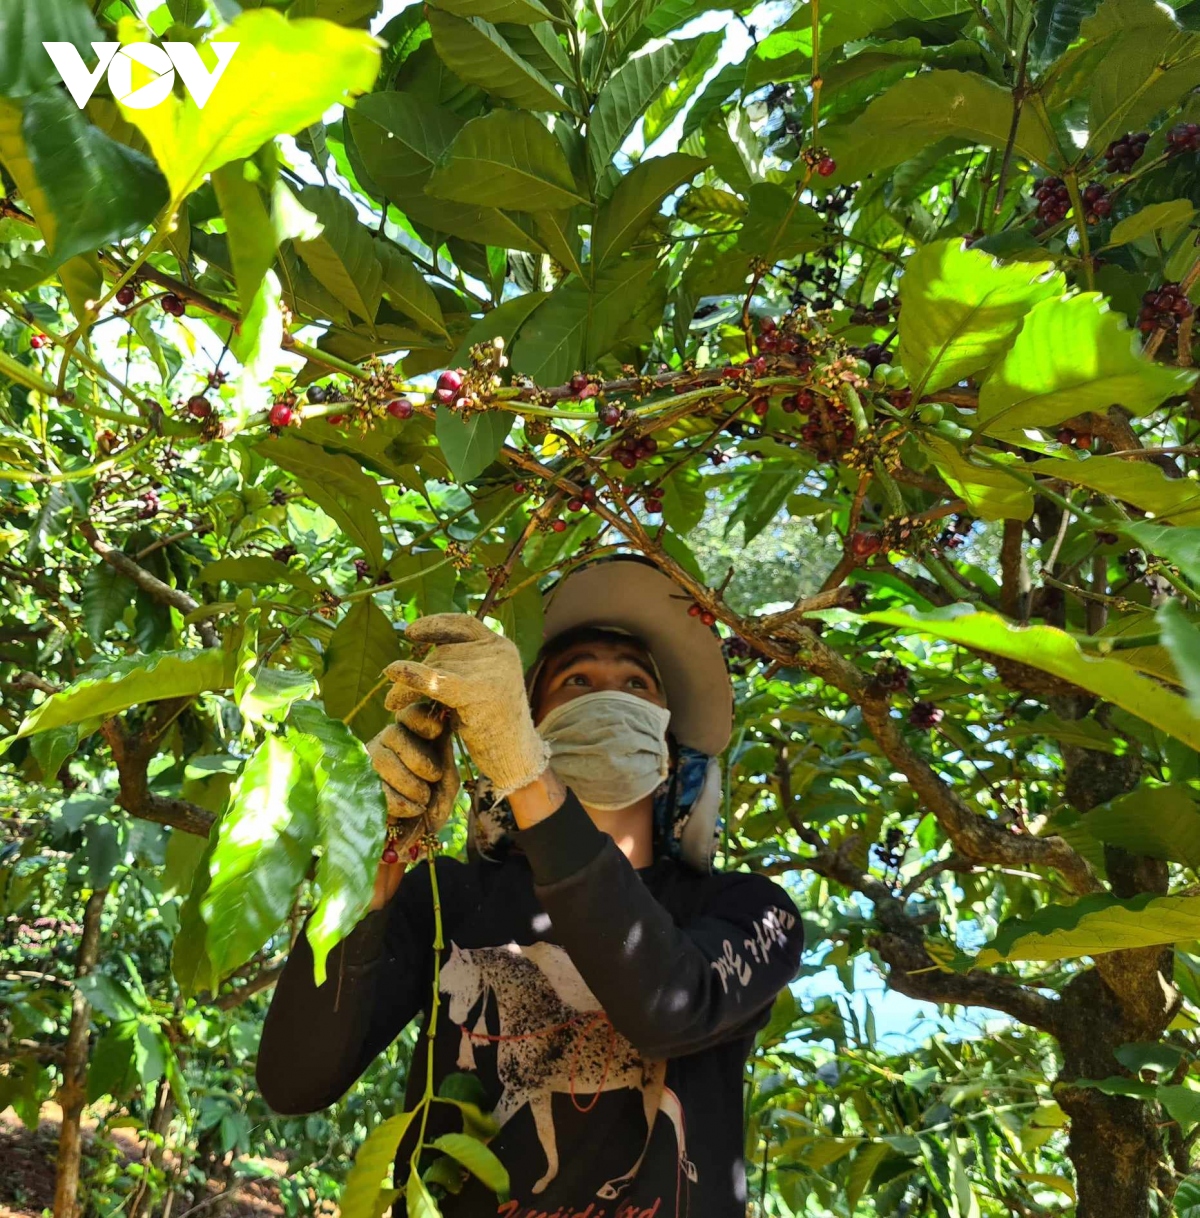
(541, 798)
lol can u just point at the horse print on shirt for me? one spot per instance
(553, 1036)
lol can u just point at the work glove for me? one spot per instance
(415, 759)
(478, 674)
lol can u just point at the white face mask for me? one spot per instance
(610, 748)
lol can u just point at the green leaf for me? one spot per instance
(504, 321)
(477, 52)
(50, 749)
(83, 281)
(106, 595)
(1160, 822)
(91, 190)
(921, 110)
(361, 647)
(429, 579)
(190, 965)
(510, 159)
(419, 1200)
(767, 488)
(322, 64)
(471, 445)
(272, 691)
(1072, 356)
(477, 1159)
(343, 258)
(1187, 1198)
(573, 327)
(406, 288)
(116, 686)
(1092, 926)
(669, 104)
(988, 492)
(337, 485)
(1182, 640)
(351, 820)
(962, 310)
(1177, 545)
(1053, 651)
(1138, 482)
(1151, 219)
(264, 843)
(522, 616)
(636, 200)
(683, 499)
(400, 138)
(626, 96)
(345, 12)
(516, 12)
(774, 226)
(256, 569)
(373, 1167)
(24, 65)
(248, 226)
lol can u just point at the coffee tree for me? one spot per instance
(901, 295)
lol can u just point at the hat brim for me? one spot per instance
(634, 596)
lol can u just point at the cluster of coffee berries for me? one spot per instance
(149, 505)
(198, 406)
(284, 553)
(1075, 439)
(707, 617)
(576, 503)
(362, 568)
(874, 354)
(172, 304)
(1134, 563)
(739, 655)
(1053, 199)
(38, 341)
(652, 498)
(890, 851)
(318, 394)
(400, 408)
(1164, 308)
(954, 534)
(772, 339)
(801, 402)
(279, 496)
(1183, 137)
(836, 203)
(925, 715)
(829, 429)
(891, 676)
(1124, 153)
(826, 279)
(583, 388)
(449, 387)
(629, 452)
(876, 314)
(1097, 205)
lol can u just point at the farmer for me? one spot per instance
(599, 984)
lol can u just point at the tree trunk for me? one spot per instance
(73, 1091)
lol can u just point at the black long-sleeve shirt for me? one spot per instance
(608, 1013)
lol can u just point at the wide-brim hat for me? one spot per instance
(631, 594)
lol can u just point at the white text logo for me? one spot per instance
(162, 62)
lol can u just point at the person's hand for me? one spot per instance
(478, 674)
(415, 759)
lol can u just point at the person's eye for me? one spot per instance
(639, 683)
(577, 678)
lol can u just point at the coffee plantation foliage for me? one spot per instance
(870, 322)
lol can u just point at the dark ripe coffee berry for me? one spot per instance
(558, 525)
(1123, 153)
(173, 305)
(862, 545)
(589, 494)
(362, 568)
(335, 420)
(654, 506)
(279, 496)
(826, 165)
(38, 341)
(647, 446)
(390, 856)
(709, 619)
(316, 394)
(400, 408)
(199, 407)
(1183, 137)
(126, 295)
(760, 407)
(519, 488)
(766, 325)
(609, 414)
(1064, 435)
(768, 343)
(925, 714)
(575, 505)
(694, 611)
(626, 458)
(730, 373)
(281, 414)
(579, 383)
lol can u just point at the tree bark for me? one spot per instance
(73, 1091)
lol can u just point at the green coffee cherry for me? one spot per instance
(897, 378)
(880, 375)
(931, 413)
(951, 431)
(863, 368)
